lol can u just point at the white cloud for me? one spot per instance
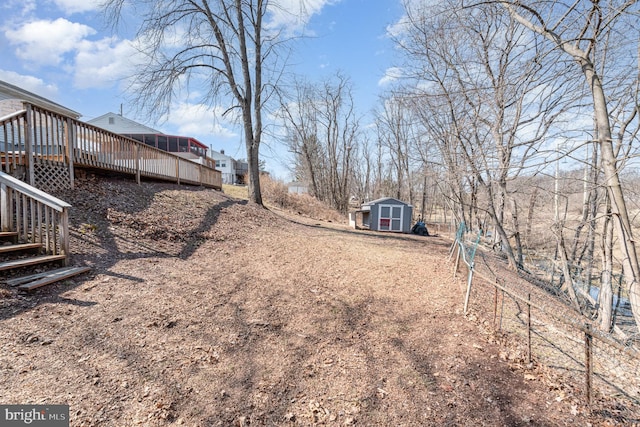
(418, 9)
(391, 75)
(173, 37)
(22, 7)
(62, 43)
(77, 6)
(293, 15)
(46, 42)
(198, 120)
(104, 62)
(30, 83)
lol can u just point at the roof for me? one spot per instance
(216, 155)
(15, 92)
(384, 199)
(121, 125)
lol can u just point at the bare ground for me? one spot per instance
(203, 310)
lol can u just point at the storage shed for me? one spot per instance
(385, 214)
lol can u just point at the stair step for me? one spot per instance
(31, 277)
(19, 247)
(9, 236)
(17, 263)
(33, 281)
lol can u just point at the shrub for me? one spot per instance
(277, 194)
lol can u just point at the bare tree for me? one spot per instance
(580, 30)
(396, 129)
(299, 117)
(363, 179)
(439, 123)
(499, 102)
(322, 131)
(220, 48)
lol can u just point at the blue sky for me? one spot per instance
(62, 49)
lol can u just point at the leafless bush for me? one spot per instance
(277, 194)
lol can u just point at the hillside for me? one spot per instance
(204, 310)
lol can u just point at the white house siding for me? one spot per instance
(226, 165)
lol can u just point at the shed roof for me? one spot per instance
(384, 199)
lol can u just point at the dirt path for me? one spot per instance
(205, 311)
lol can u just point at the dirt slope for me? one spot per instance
(202, 310)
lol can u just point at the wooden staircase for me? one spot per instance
(34, 232)
(20, 256)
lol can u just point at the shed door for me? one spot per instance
(390, 218)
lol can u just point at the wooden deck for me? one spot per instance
(40, 151)
(50, 146)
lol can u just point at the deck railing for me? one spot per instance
(36, 140)
(35, 215)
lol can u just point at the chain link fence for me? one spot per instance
(540, 327)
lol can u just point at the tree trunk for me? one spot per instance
(516, 230)
(424, 198)
(593, 206)
(252, 146)
(619, 212)
(605, 295)
(566, 270)
(500, 231)
(532, 204)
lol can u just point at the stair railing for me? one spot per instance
(37, 216)
(13, 159)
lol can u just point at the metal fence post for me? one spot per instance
(588, 338)
(495, 304)
(468, 294)
(501, 310)
(529, 325)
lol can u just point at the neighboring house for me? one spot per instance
(296, 187)
(183, 146)
(13, 97)
(385, 214)
(233, 171)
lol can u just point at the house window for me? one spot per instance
(223, 165)
(217, 163)
(112, 120)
